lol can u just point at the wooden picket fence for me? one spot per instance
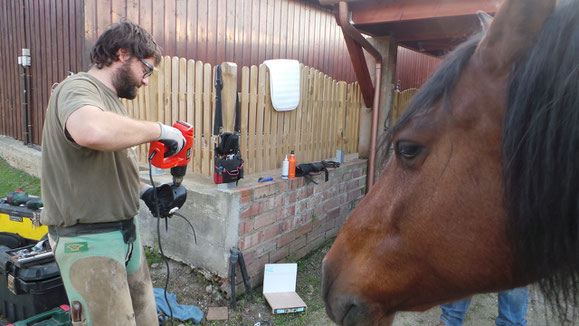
(326, 120)
(401, 101)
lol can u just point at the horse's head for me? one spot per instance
(432, 229)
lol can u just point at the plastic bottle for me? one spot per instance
(292, 165)
(285, 168)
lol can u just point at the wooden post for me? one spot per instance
(229, 73)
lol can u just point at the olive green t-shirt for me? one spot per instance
(79, 184)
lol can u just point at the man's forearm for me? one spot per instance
(107, 131)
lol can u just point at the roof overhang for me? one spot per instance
(429, 26)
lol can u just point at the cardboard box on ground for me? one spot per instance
(279, 288)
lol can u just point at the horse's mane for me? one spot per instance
(541, 156)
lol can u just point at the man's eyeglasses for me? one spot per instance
(149, 71)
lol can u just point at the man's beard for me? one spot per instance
(124, 83)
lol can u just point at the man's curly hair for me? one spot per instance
(124, 35)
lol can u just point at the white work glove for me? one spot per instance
(144, 188)
(172, 138)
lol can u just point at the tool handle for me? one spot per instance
(76, 311)
(158, 149)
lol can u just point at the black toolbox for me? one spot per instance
(28, 285)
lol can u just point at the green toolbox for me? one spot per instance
(55, 317)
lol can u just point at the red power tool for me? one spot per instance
(172, 193)
(178, 162)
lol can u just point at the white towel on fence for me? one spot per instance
(284, 77)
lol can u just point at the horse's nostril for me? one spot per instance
(351, 314)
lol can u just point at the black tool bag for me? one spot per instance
(228, 161)
(306, 170)
(228, 164)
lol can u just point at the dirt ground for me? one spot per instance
(192, 288)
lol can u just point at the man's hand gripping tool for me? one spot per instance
(172, 196)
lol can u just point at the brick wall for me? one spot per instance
(273, 222)
(284, 220)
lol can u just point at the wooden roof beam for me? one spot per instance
(372, 12)
(434, 48)
(360, 69)
(425, 29)
(355, 42)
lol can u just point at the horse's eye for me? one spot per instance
(407, 150)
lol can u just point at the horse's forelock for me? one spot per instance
(541, 155)
(440, 86)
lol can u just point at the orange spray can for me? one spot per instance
(292, 165)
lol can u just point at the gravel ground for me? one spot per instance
(193, 288)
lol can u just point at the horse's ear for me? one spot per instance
(484, 19)
(512, 33)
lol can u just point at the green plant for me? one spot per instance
(301, 267)
(152, 255)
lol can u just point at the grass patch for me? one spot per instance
(13, 179)
(152, 255)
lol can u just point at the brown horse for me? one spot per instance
(481, 192)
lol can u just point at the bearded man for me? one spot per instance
(90, 180)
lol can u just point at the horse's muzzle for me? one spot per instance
(342, 305)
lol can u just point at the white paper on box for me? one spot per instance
(280, 278)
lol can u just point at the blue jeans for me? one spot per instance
(512, 309)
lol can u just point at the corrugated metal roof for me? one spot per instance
(413, 68)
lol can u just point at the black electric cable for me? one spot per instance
(159, 237)
(157, 209)
(191, 225)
